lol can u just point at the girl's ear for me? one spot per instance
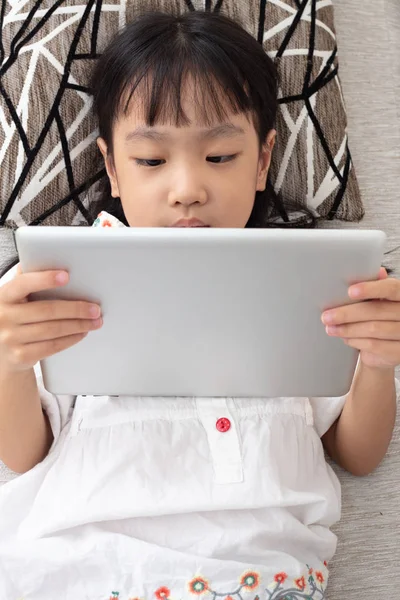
(109, 164)
(265, 161)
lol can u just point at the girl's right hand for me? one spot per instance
(33, 330)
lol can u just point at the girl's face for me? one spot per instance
(189, 175)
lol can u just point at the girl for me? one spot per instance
(181, 497)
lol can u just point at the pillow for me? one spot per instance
(48, 157)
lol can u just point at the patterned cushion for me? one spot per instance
(48, 156)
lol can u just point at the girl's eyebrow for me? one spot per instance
(225, 130)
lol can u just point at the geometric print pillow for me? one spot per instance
(49, 162)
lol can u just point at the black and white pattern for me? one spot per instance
(48, 156)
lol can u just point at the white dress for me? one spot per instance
(174, 498)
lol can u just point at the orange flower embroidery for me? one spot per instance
(310, 572)
(162, 593)
(325, 563)
(301, 583)
(280, 577)
(106, 223)
(198, 586)
(319, 576)
(250, 580)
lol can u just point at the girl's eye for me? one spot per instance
(149, 162)
(221, 159)
(144, 162)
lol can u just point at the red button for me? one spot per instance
(223, 424)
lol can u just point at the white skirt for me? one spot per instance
(173, 499)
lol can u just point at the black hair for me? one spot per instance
(156, 53)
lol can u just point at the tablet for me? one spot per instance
(204, 312)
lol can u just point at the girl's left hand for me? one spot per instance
(372, 327)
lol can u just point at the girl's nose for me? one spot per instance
(187, 191)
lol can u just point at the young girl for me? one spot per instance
(172, 498)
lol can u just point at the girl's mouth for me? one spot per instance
(189, 223)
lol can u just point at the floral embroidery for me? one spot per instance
(310, 586)
(250, 580)
(301, 591)
(300, 582)
(106, 220)
(162, 593)
(198, 586)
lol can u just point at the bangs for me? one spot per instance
(159, 62)
(160, 88)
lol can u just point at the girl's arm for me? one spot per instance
(30, 332)
(25, 433)
(359, 439)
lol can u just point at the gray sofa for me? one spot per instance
(367, 563)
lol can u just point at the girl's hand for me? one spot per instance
(372, 327)
(31, 331)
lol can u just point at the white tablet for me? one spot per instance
(204, 312)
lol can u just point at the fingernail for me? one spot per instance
(94, 311)
(354, 292)
(332, 329)
(328, 317)
(62, 277)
